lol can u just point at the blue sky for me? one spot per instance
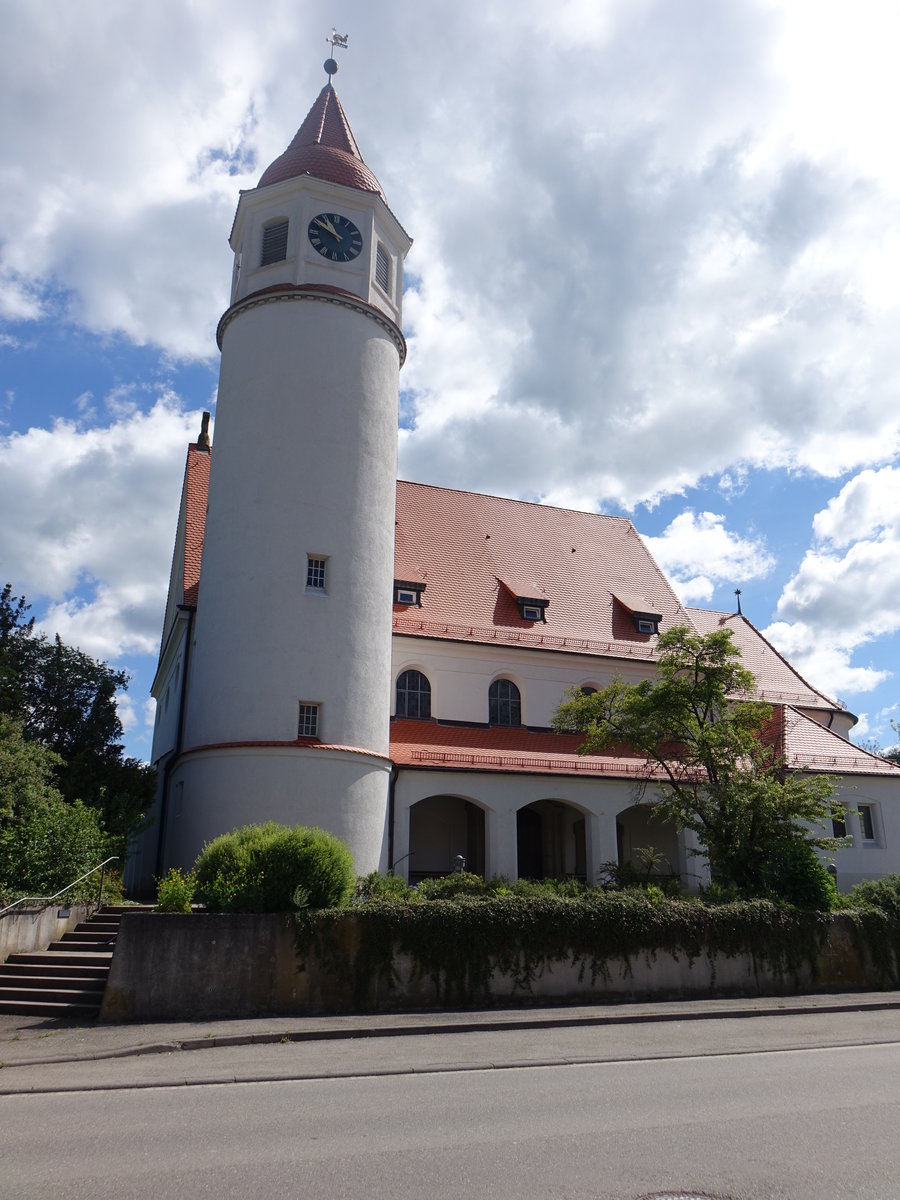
(655, 264)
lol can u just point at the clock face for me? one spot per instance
(335, 237)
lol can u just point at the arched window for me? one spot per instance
(504, 703)
(413, 695)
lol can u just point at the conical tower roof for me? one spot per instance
(324, 147)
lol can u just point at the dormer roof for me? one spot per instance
(324, 147)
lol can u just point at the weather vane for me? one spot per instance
(336, 41)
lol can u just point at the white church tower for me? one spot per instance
(286, 699)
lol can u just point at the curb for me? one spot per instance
(446, 1027)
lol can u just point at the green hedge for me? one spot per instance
(457, 943)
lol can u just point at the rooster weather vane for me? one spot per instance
(337, 41)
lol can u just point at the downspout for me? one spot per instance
(179, 743)
(392, 783)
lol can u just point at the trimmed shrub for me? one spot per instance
(275, 868)
(795, 875)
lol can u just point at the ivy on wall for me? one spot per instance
(457, 944)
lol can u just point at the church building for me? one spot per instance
(384, 659)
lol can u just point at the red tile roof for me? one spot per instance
(471, 549)
(196, 487)
(324, 147)
(777, 681)
(810, 746)
(455, 747)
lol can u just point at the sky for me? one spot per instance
(655, 273)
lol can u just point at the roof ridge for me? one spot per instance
(818, 691)
(581, 512)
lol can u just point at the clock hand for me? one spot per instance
(327, 225)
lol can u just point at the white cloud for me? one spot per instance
(89, 520)
(844, 594)
(696, 551)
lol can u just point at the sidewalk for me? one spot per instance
(32, 1041)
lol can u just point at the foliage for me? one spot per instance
(65, 701)
(45, 843)
(259, 868)
(707, 741)
(376, 886)
(883, 893)
(794, 873)
(458, 944)
(175, 891)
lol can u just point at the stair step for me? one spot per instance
(121, 909)
(52, 969)
(87, 935)
(71, 958)
(95, 925)
(46, 1008)
(59, 996)
(35, 978)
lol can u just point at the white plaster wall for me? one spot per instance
(214, 792)
(461, 673)
(304, 463)
(868, 860)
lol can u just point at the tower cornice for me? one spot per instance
(283, 293)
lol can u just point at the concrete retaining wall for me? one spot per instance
(27, 929)
(173, 967)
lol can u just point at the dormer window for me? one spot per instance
(641, 611)
(408, 591)
(274, 243)
(531, 609)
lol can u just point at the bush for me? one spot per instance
(275, 868)
(795, 874)
(49, 845)
(376, 886)
(175, 891)
(883, 893)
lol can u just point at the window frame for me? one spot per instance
(317, 569)
(422, 694)
(510, 704)
(307, 719)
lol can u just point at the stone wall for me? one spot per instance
(27, 929)
(173, 967)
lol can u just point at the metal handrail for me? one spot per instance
(101, 867)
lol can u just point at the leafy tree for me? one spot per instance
(45, 842)
(697, 726)
(66, 702)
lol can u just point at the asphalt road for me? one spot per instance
(741, 1115)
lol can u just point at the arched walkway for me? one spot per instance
(550, 841)
(637, 830)
(443, 830)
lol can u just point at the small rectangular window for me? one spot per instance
(383, 268)
(867, 822)
(308, 724)
(531, 612)
(645, 626)
(407, 597)
(274, 244)
(315, 573)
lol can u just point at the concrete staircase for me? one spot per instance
(68, 978)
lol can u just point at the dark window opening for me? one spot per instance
(504, 703)
(413, 696)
